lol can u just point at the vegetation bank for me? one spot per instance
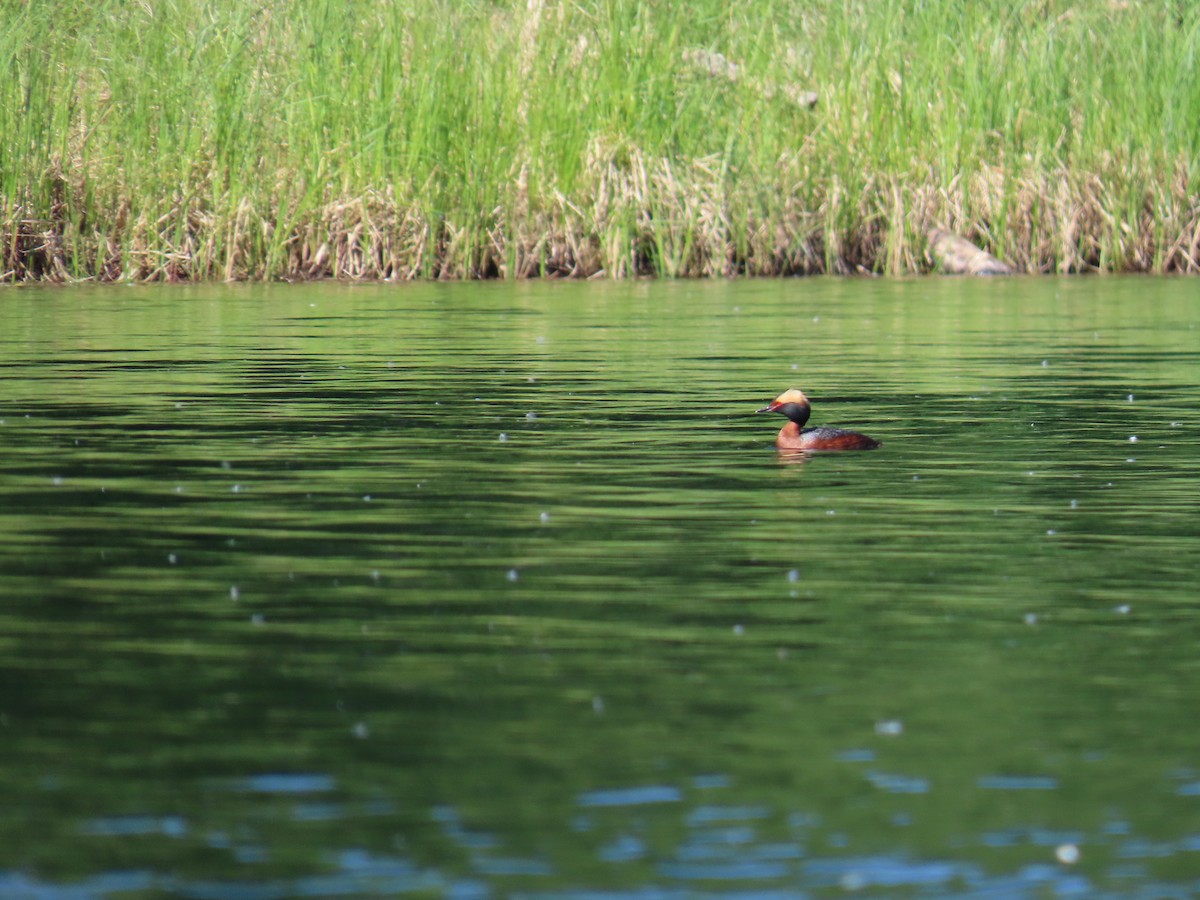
(223, 139)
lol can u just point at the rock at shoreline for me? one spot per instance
(958, 256)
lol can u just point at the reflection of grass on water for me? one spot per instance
(190, 139)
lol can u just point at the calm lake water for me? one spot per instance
(502, 591)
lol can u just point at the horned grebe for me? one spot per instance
(794, 436)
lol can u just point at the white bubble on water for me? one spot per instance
(544, 517)
(1067, 854)
(739, 630)
(513, 575)
(1030, 619)
(1133, 439)
(234, 593)
(890, 727)
(794, 575)
(503, 437)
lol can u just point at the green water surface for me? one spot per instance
(502, 590)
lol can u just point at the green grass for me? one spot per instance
(192, 139)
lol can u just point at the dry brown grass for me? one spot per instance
(632, 215)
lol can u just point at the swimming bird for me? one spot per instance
(794, 436)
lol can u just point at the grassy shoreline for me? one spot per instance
(194, 140)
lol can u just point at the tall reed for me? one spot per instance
(189, 139)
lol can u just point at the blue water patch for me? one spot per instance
(250, 853)
(470, 840)
(649, 892)
(653, 892)
(286, 783)
(714, 848)
(898, 784)
(623, 848)
(336, 885)
(453, 828)
(731, 870)
(1143, 849)
(720, 850)
(488, 865)
(467, 890)
(379, 807)
(883, 871)
(1189, 790)
(736, 835)
(129, 826)
(220, 840)
(637, 796)
(1035, 878)
(363, 862)
(1008, 838)
(702, 815)
(855, 756)
(237, 890)
(317, 812)
(776, 851)
(13, 884)
(1039, 837)
(1053, 837)
(1065, 885)
(1018, 782)
(364, 873)
(804, 820)
(707, 782)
